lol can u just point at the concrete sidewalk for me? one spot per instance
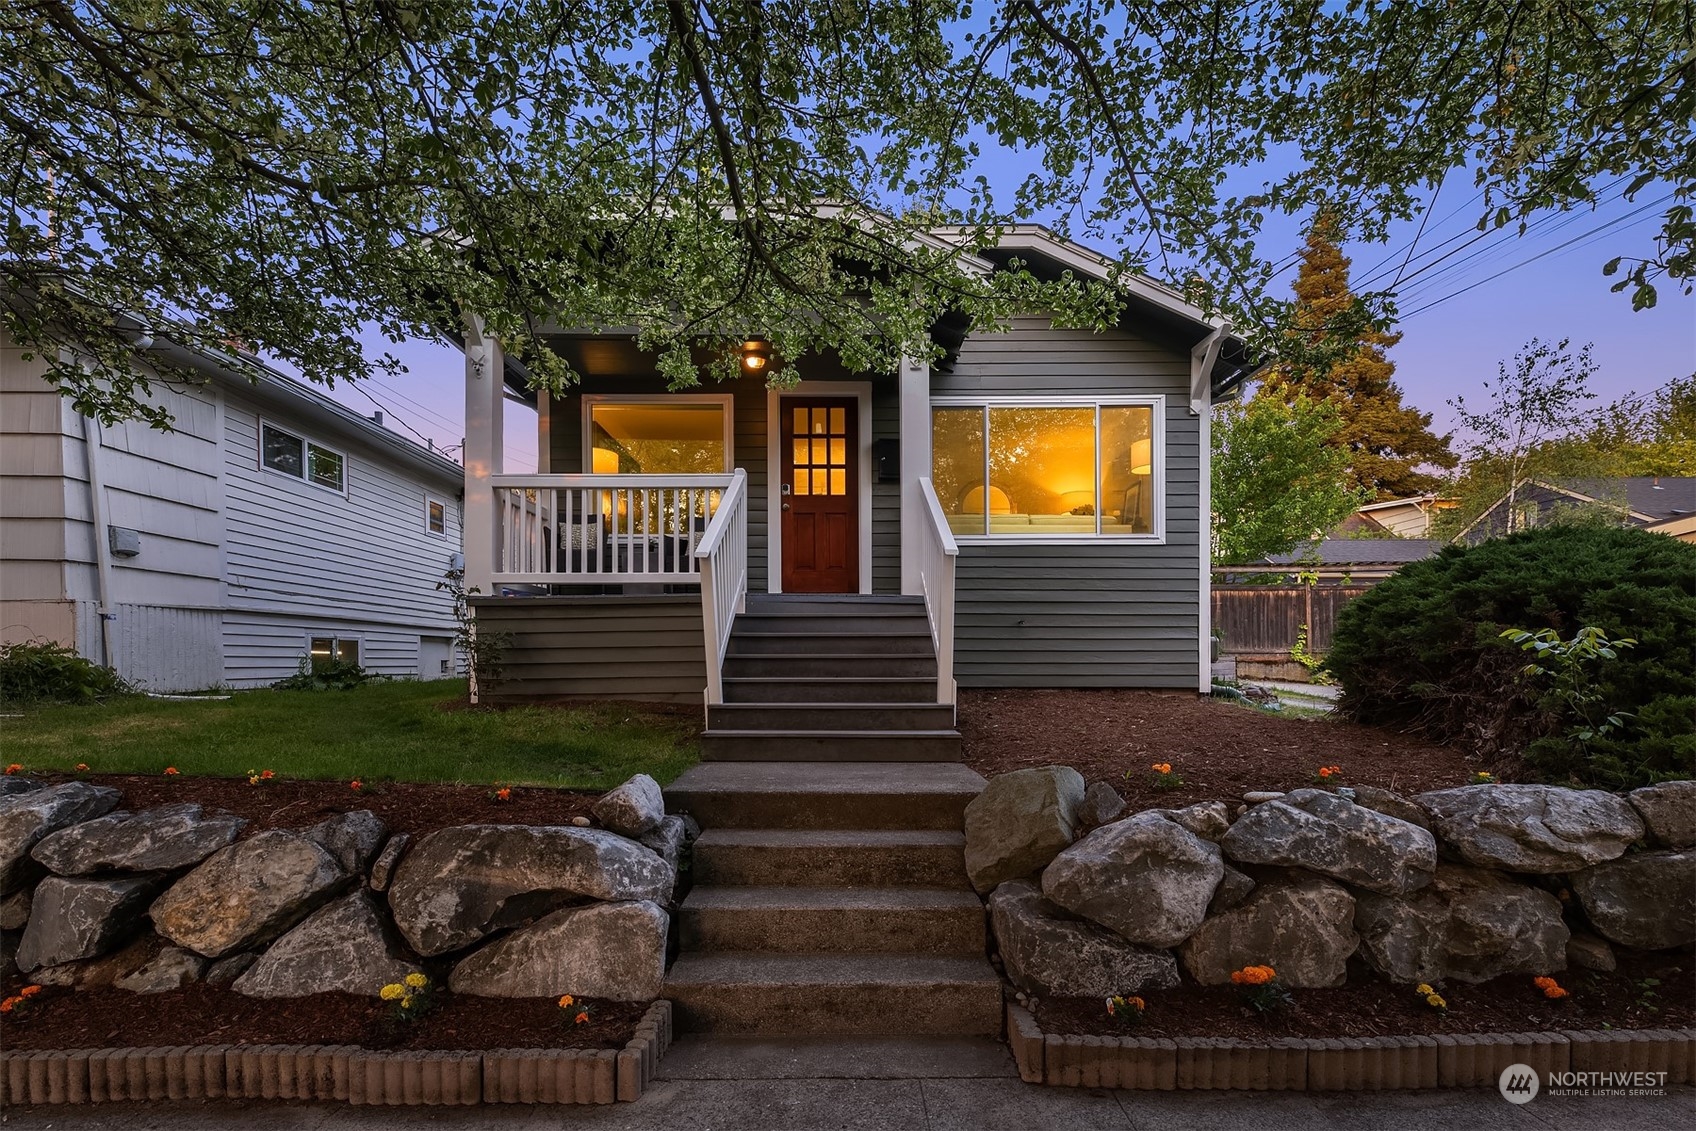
(932, 1085)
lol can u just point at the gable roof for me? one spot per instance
(1643, 500)
(1358, 551)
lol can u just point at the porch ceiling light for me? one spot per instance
(756, 355)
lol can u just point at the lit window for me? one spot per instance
(328, 651)
(283, 451)
(1033, 471)
(666, 436)
(435, 516)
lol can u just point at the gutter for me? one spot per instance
(102, 545)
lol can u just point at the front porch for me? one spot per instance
(624, 567)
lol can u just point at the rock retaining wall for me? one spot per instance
(94, 896)
(1465, 884)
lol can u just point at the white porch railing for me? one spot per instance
(595, 529)
(722, 559)
(937, 553)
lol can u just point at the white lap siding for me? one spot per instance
(304, 561)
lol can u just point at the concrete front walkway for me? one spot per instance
(932, 1085)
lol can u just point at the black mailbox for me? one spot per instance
(887, 456)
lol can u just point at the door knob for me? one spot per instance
(785, 506)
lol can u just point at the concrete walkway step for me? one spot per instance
(830, 745)
(853, 995)
(833, 857)
(826, 795)
(930, 921)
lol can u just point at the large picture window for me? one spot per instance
(665, 435)
(1046, 470)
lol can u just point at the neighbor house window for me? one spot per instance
(328, 650)
(435, 516)
(1048, 470)
(282, 450)
(659, 435)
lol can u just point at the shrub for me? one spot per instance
(1425, 650)
(326, 675)
(39, 671)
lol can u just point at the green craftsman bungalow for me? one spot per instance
(829, 562)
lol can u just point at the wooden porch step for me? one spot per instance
(830, 716)
(808, 624)
(828, 643)
(815, 689)
(832, 665)
(830, 745)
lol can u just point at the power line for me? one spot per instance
(1596, 231)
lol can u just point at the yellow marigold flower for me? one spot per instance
(416, 980)
(1422, 988)
(392, 992)
(406, 1002)
(1435, 1001)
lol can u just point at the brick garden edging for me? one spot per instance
(341, 1072)
(1347, 1064)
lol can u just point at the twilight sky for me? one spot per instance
(1458, 321)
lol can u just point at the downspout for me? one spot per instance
(102, 543)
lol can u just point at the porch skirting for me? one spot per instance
(647, 648)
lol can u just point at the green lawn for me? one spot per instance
(405, 730)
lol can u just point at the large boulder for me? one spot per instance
(1539, 829)
(352, 838)
(605, 950)
(345, 946)
(634, 808)
(155, 840)
(9, 786)
(1391, 803)
(14, 910)
(1331, 835)
(458, 885)
(1209, 820)
(1468, 924)
(383, 867)
(1020, 822)
(248, 893)
(1303, 928)
(1646, 900)
(71, 920)
(28, 816)
(667, 839)
(1669, 811)
(107, 969)
(1147, 878)
(1047, 951)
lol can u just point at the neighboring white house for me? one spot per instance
(271, 526)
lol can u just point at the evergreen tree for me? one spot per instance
(1337, 356)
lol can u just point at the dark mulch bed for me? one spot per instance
(1221, 750)
(410, 807)
(1367, 1007)
(207, 1015)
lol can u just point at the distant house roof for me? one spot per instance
(1358, 551)
(1641, 500)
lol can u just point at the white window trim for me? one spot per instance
(443, 503)
(725, 400)
(1155, 401)
(305, 475)
(334, 638)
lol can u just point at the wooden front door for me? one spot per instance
(819, 494)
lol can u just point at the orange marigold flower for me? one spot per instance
(82, 765)
(29, 991)
(355, 784)
(566, 1001)
(15, 768)
(1554, 993)
(1543, 983)
(171, 771)
(266, 775)
(581, 1017)
(1253, 975)
(503, 794)
(1136, 1003)
(9, 1004)
(1162, 767)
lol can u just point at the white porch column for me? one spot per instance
(915, 463)
(1202, 359)
(484, 414)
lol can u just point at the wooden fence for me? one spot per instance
(1263, 621)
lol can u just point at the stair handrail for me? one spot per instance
(722, 556)
(937, 554)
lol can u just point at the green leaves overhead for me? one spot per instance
(283, 173)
